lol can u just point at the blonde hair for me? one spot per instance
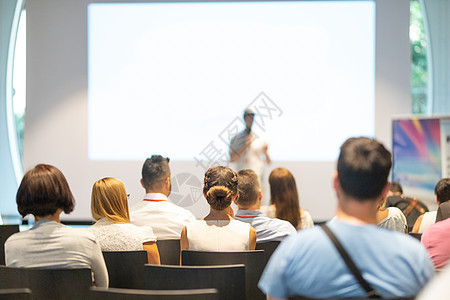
(109, 199)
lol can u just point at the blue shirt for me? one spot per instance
(267, 229)
(309, 265)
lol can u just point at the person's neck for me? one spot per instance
(255, 206)
(215, 214)
(53, 217)
(356, 212)
(157, 192)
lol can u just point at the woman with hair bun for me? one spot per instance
(219, 231)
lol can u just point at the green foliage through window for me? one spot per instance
(419, 68)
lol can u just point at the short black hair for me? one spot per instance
(363, 168)
(155, 171)
(396, 187)
(442, 190)
(248, 187)
(43, 191)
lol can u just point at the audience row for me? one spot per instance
(388, 261)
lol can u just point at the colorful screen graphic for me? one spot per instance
(417, 156)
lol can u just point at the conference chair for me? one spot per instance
(416, 235)
(15, 294)
(269, 248)
(126, 268)
(252, 260)
(169, 252)
(308, 298)
(228, 280)
(5, 232)
(54, 284)
(130, 294)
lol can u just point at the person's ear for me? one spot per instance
(259, 195)
(336, 184)
(142, 183)
(385, 190)
(167, 183)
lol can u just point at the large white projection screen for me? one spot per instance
(109, 84)
(175, 75)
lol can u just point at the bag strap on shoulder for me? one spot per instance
(370, 291)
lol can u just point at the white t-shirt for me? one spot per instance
(165, 218)
(394, 221)
(306, 220)
(218, 235)
(121, 237)
(428, 219)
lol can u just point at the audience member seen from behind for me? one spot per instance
(219, 231)
(285, 201)
(166, 219)
(442, 192)
(391, 218)
(436, 238)
(411, 208)
(249, 203)
(308, 264)
(45, 193)
(113, 230)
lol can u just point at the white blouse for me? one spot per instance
(121, 237)
(306, 220)
(218, 235)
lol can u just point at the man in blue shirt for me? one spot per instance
(249, 202)
(308, 264)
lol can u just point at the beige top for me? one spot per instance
(306, 220)
(218, 235)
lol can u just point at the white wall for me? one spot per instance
(56, 116)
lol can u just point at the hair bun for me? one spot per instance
(219, 197)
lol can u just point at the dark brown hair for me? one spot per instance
(43, 191)
(155, 171)
(284, 195)
(248, 187)
(220, 187)
(442, 190)
(363, 168)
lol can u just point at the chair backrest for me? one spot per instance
(15, 294)
(130, 294)
(169, 252)
(126, 268)
(416, 235)
(308, 298)
(228, 280)
(253, 261)
(269, 248)
(48, 283)
(5, 232)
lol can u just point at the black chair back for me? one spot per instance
(253, 261)
(5, 232)
(129, 294)
(308, 298)
(228, 280)
(15, 294)
(48, 283)
(416, 235)
(169, 252)
(126, 268)
(269, 248)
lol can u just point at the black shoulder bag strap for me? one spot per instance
(371, 292)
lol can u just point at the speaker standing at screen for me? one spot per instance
(248, 150)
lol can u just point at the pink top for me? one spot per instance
(437, 242)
